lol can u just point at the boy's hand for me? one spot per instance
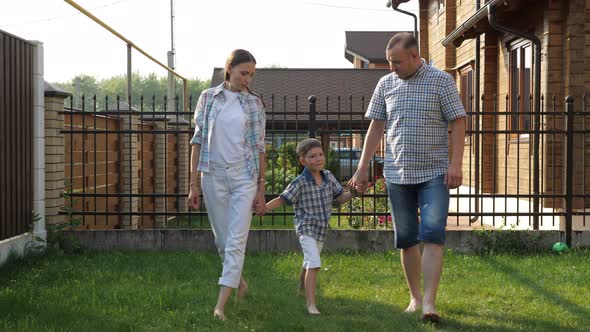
(267, 209)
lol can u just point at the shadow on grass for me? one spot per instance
(581, 313)
(499, 322)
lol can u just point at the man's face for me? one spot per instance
(402, 62)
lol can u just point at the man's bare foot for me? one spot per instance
(242, 289)
(313, 310)
(219, 314)
(430, 314)
(414, 306)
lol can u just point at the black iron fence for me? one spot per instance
(128, 166)
(16, 135)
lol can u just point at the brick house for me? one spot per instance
(366, 49)
(489, 47)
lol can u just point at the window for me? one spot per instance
(466, 89)
(521, 63)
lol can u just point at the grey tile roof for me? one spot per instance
(369, 45)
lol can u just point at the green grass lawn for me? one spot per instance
(176, 291)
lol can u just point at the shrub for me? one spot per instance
(374, 204)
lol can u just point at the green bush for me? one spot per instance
(371, 203)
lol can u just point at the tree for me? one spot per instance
(151, 87)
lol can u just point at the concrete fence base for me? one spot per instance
(286, 240)
(14, 246)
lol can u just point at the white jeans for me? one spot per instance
(229, 191)
(311, 251)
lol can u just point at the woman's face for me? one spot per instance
(241, 75)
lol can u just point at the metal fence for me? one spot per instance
(521, 170)
(16, 135)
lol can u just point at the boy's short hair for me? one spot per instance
(305, 145)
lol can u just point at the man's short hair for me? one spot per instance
(407, 40)
(307, 144)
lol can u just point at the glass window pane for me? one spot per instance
(514, 87)
(526, 88)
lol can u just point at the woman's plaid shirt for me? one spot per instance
(418, 111)
(208, 107)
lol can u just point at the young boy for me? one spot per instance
(311, 194)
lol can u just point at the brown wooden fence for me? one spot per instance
(93, 169)
(16, 135)
(91, 166)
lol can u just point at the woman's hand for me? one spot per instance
(259, 204)
(194, 197)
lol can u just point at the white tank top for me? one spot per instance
(228, 143)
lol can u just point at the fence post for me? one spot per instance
(182, 170)
(38, 146)
(129, 164)
(569, 102)
(160, 170)
(312, 128)
(54, 153)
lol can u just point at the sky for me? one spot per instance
(291, 34)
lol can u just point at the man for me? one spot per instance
(416, 104)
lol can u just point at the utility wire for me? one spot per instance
(355, 8)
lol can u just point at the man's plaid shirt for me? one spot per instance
(418, 111)
(312, 202)
(208, 107)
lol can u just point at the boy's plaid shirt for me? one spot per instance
(312, 202)
(208, 107)
(418, 111)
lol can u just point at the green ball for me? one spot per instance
(559, 247)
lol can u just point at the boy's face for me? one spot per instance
(314, 159)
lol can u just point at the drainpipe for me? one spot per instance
(409, 14)
(537, 93)
(476, 94)
(39, 230)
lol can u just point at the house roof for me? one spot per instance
(291, 88)
(368, 45)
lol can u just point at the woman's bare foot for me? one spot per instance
(242, 289)
(312, 309)
(219, 314)
(414, 306)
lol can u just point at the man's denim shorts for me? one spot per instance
(432, 198)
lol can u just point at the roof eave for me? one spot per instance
(469, 29)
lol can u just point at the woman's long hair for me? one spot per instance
(235, 58)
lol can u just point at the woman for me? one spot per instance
(227, 166)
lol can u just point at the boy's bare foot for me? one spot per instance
(313, 310)
(219, 314)
(414, 306)
(242, 289)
